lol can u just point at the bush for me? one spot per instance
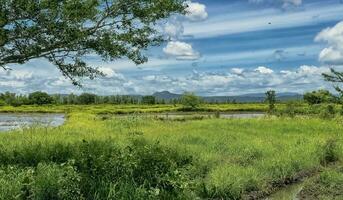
(51, 181)
(40, 98)
(97, 170)
(2, 103)
(149, 100)
(87, 98)
(271, 100)
(320, 96)
(328, 112)
(190, 101)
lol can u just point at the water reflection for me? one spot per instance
(9, 121)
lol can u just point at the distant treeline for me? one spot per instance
(42, 98)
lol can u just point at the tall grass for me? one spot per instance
(132, 157)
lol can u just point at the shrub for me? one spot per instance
(320, 96)
(98, 170)
(51, 181)
(328, 112)
(87, 98)
(271, 100)
(190, 101)
(40, 98)
(2, 102)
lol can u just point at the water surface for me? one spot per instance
(288, 193)
(9, 121)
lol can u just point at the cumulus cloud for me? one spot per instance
(232, 82)
(196, 11)
(238, 71)
(333, 36)
(181, 50)
(110, 73)
(246, 81)
(174, 28)
(263, 70)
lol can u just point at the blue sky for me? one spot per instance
(222, 47)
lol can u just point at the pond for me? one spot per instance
(9, 121)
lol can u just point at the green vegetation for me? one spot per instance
(190, 101)
(271, 100)
(111, 29)
(132, 157)
(328, 185)
(319, 97)
(125, 109)
(40, 98)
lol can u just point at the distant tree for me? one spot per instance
(40, 98)
(319, 96)
(2, 102)
(335, 77)
(190, 101)
(271, 100)
(86, 98)
(149, 100)
(8, 97)
(65, 31)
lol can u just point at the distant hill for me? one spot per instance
(166, 95)
(246, 98)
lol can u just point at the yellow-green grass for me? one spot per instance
(123, 109)
(234, 158)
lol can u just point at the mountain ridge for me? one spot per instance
(252, 97)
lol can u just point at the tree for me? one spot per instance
(271, 99)
(318, 97)
(66, 31)
(40, 98)
(335, 77)
(87, 98)
(149, 100)
(190, 101)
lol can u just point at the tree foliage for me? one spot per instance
(66, 31)
(190, 101)
(318, 97)
(271, 99)
(149, 100)
(87, 98)
(335, 77)
(40, 98)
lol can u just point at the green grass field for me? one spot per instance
(137, 157)
(126, 109)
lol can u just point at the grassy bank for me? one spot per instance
(282, 109)
(142, 158)
(127, 109)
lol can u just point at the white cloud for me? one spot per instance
(263, 70)
(110, 73)
(333, 36)
(238, 71)
(258, 20)
(196, 11)
(236, 81)
(285, 4)
(174, 27)
(181, 50)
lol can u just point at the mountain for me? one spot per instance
(166, 95)
(245, 98)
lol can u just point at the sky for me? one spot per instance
(220, 48)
